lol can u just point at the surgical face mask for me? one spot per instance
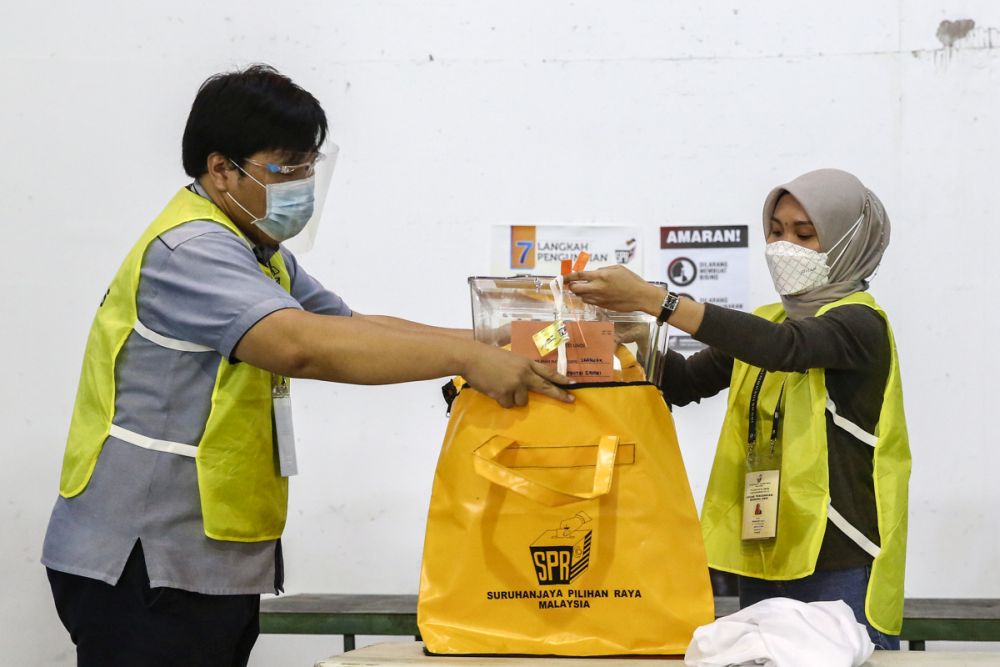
(289, 206)
(796, 270)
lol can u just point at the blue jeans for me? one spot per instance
(849, 585)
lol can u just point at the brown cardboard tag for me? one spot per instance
(760, 505)
(589, 353)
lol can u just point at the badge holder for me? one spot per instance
(281, 398)
(763, 477)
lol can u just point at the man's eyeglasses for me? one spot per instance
(286, 169)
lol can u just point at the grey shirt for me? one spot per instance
(199, 283)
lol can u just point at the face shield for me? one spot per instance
(304, 240)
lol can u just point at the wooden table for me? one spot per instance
(925, 619)
(411, 654)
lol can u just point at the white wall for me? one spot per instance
(452, 116)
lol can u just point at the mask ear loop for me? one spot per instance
(249, 175)
(253, 218)
(853, 232)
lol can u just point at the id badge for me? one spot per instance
(283, 430)
(760, 505)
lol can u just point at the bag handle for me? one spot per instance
(484, 460)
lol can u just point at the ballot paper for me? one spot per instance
(590, 349)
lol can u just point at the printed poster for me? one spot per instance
(707, 264)
(540, 249)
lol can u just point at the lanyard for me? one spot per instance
(264, 257)
(752, 427)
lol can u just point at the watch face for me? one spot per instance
(668, 308)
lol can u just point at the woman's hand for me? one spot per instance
(616, 288)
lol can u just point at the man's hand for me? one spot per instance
(616, 288)
(507, 378)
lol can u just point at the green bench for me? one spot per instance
(925, 619)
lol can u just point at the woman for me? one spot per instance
(808, 493)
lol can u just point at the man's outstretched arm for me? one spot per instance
(357, 351)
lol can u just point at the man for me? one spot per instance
(173, 491)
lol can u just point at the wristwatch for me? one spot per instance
(667, 309)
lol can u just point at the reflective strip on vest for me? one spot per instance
(836, 518)
(855, 535)
(169, 343)
(139, 440)
(144, 441)
(849, 426)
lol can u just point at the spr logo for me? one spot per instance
(562, 555)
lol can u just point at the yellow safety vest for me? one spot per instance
(243, 496)
(804, 494)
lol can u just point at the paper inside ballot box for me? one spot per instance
(589, 352)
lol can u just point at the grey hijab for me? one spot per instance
(834, 200)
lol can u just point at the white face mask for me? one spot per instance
(289, 206)
(796, 270)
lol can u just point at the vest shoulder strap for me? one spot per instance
(857, 298)
(775, 312)
(772, 311)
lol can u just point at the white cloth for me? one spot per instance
(780, 632)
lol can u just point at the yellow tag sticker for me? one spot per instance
(551, 337)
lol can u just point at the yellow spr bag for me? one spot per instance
(563, 529)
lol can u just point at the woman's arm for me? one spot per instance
(703, 374)
(849, 337)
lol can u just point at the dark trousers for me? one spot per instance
(138, 626)
(850, 585)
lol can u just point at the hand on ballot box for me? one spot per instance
(507, 378)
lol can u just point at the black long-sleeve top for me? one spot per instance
(852, 343)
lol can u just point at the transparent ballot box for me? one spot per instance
(603, 346)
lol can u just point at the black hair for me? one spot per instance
(250, 110)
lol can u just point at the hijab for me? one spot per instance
(834, 201)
